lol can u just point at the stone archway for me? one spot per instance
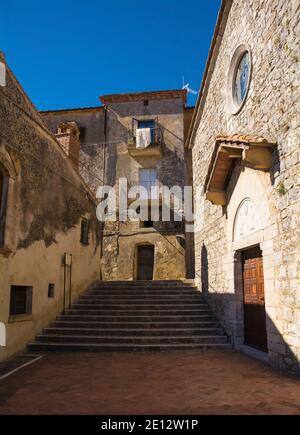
(248, 210)
(247, 220)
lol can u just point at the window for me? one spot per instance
(148, 123)
(51, 291)
(148, 179)
(85, 230)
(20, 300)
(146, 103)
(242, 78)
(148, 223)
(239, 78)
(3, 204)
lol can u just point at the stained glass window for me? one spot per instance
(242, 78)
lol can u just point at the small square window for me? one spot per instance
(20, 300)
(146, 103)
(147, 224)
(85, 230)
(51, 291)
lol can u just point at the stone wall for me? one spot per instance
(104, 159)
(271, 29)
(91, 124)
(46, 202)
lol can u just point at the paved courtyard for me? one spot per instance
(223, 382)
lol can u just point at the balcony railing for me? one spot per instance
(155, 147)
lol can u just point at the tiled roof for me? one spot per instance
(72, 110)
(140, 96)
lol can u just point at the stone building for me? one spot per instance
(49, 235)
(106, 135)
(245, 141)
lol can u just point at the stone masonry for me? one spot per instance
(271, 29)
(104, 159)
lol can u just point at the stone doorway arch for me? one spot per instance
(249, 226)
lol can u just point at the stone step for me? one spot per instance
(96, 347)
(141, 295)
(136, 306)
(136, 332)
(162, 312)
(135, 316)
(132, 325)
(135, 288)
(182, 319)
(131, 340)
(144, 284)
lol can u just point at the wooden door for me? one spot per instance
(254, 299)
(145, 262)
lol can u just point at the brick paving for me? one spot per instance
(212, 382)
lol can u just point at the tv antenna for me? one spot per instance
(186, 86)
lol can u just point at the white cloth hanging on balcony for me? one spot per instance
(143, 137)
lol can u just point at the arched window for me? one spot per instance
(3, 204)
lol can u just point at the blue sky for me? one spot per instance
(66, 53)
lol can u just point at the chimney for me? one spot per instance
(68, 136)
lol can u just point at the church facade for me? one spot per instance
(245, 140)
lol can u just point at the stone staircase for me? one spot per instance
(135, 316)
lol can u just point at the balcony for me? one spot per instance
(154, 149)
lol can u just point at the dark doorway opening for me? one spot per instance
(145, 262)
(254, 299)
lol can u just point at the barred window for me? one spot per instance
(85, 230)
(20, 300)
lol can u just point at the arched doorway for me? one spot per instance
(248, 226)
